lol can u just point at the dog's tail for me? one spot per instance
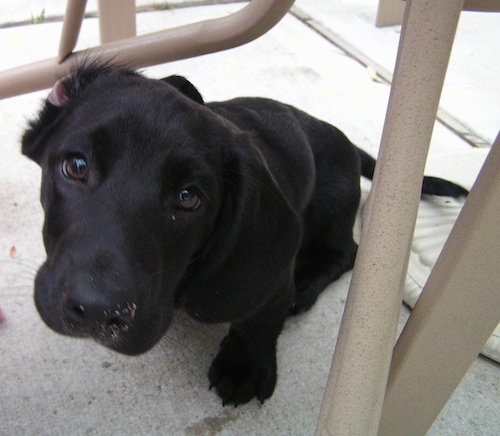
(430, 185)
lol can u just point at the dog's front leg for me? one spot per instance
(245, 366)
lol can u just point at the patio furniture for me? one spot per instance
(119, 43)
(374, 387)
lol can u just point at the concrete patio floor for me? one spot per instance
(53, 385)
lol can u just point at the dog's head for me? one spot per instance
(148, 193)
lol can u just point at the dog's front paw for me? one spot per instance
(239, 376)
(305, 297)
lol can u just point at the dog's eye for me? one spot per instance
(188, 199)
(75, 167)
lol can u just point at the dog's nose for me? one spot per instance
(89, 315)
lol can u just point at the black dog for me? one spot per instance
(238, 212)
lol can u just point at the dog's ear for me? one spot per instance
(66, 90)
(59, 95)
(35, 136)
(254, 245)
(39, 128)
(185, 86)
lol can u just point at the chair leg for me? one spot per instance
(73, 17)
(456, 313)
(357, 383)
(116, 20)
(390, 12)
(182, 42)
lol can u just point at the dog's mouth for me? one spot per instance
(111, 332)
(121, 331)
(127, 325)
(126, 338)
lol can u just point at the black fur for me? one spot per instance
(239, 211)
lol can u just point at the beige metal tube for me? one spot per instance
(73, 17)
(182, 42)
(482, 5)
(116, 20)
(201, 38)
(353, 399)
(32, 77)
(453, 318)
(389, 12)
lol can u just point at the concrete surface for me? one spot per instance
(53, 385)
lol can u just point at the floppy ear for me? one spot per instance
(64, 91)
(185, 86)
(39, 128)
(258, 233)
